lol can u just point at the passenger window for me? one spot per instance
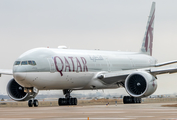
(17, 63)
(24, 63)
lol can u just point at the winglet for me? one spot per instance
(148, 37)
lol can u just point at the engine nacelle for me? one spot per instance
(140, 84)
(16, 91)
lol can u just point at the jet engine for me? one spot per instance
(140, 84)
(16, 91)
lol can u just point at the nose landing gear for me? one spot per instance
(68, 100)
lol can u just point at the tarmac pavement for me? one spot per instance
(145, 111)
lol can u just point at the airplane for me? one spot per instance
(71, 69)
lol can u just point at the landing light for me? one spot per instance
(30, 90)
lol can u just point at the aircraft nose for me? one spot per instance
(20, 76)
(19, 73)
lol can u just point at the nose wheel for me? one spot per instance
(68, 100)
(32, 103)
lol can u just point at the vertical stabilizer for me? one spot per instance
(148, 37)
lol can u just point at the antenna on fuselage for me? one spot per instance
(62, 47)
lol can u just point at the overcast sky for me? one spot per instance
(87, 24)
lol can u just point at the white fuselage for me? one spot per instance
(74, 69)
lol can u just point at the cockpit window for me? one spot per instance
(30, 62)
(34, 63)
(17, 63)
(24, 63)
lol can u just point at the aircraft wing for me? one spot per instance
(163, 71)
(6, 72)
(120, 76)
(114, 77)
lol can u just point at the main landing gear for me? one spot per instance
(130, 99)
(67, 100)
(33, 102)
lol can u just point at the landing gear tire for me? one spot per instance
(130, 100)
(35, 103)
(67, 101)
(30, 103)
(72, 101)
(75, 101)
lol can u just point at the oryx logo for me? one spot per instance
(149, 35)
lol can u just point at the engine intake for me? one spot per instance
(140, 84)
(16, 91)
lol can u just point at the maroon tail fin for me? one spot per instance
(148, 37)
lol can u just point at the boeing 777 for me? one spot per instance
(70, 69)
